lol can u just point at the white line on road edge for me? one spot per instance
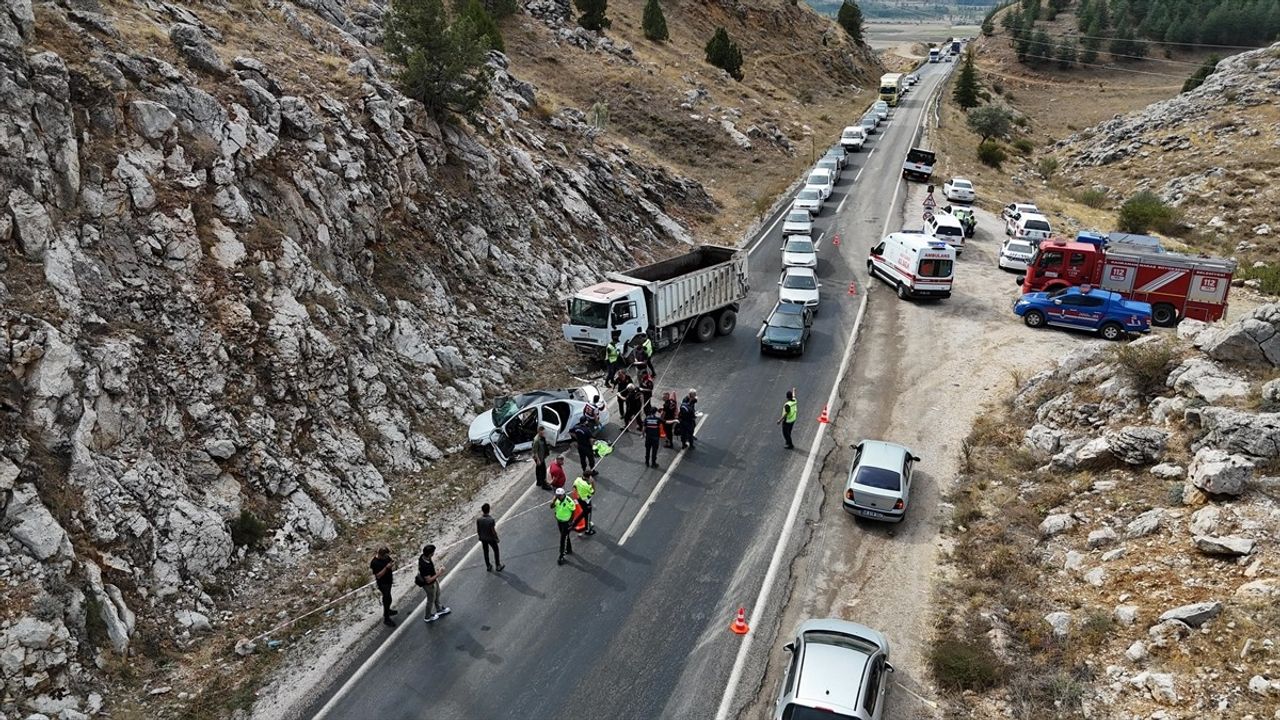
(873, 152)
(644, 509)
(818, 243)
(766, 588)
(855, 179)
(846, 197)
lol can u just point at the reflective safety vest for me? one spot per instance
(564, 509)
(648, 347)
(585, 491)
(602, 448)
(611, 352)
(792, 408)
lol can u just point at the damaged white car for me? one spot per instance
(509, 427)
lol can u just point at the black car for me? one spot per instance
(787, 329)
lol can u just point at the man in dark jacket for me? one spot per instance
(382, 566)
(652, 431)
(670, 416)
(540, 452)
(582, 436)
(487, 533)
(688, 417)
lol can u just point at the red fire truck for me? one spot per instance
(1176, 286)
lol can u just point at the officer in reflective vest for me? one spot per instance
(563, 506)
(790, 410)
(611, 356)
(644, 353)
(585, 489)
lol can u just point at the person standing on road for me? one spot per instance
(557, 472)
(563, 506)
(670, 415)
(382, 566)
(688, 418)
(429, 579)
(487, 533)
(585, 486)
(652, 434)
(582, 436)
(612, 354)
(540, 452)
(630, 400)
(790, 410)
(646, 389)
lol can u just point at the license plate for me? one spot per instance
(873, 514)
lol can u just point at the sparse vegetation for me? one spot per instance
(1268, 277)
(441, 64)
(989, 122)
(965, 664)
(1024, 146)
(1147, 365)
(247, 530)
(1093, 197)
(1047, 167)
(724, 53)
(655, 23)
(991, 154)
(1146, 211)
(593, 15)
(1201, 74)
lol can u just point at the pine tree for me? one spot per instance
(1066, 53)
(724, 53)
(1089, 50)
(593, 14)
(1084, 15)
(1041, 47)
(474, 12)
(441, 65)
(988, 27)
(850, 18)
(1155, 23)
(966, 91)
(1198, 77)
(1011, 19)
(655, 24)
(1122, 46)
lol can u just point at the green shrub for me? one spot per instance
(724, 53)
(1092, 197)
(1147, 365)
(476, 13)
(593, 14)
(991, 154)
(655, 23)
(1047, 167)
(1146, 211)
(1268, 277)
(1024, 146)
(248, 530)
(969, 664)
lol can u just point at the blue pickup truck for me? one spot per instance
(1085, 308)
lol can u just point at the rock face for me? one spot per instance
(1220, 473)
(232, 286)
(1251, 340)
(1200, 378)
(1193, 615)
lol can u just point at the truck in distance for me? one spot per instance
(891, 88)
(696, 294)
(919, 164)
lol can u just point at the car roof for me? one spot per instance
(828, 667)
(788, 309)
(955, 180)
(795, 210)
(1022, 206)
(822, 170)
(881, 454)
(945, 219)
(797, 236)
(536, 397)
(1032, 216)
(799, 271)
(1094, 292)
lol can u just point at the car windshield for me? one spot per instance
(948, 230)
(800, 216)
(962, 184)
(1040, 225)
(800, 712)
(809, 194)
(818, 179)
(799, 246)
(1020, 247)
(588, 313)
(868, 121)
(852, 133)
(504, 408)
(787, 320)
(924, 157)
(799, 281)
(881, 105)
(1060, 292)
(935, 268)
(878, 478)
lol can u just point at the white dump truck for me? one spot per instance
(695, 294)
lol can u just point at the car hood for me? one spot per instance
(782, 335)
(1035, 297)
(792, 258)
(797, 296)
(481, 428)
(802, 228)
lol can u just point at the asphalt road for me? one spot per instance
(640, 629)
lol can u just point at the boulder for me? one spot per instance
(1101, 536)
(1060, 622)
(297, 119)
(1271, 394)
(1205, 520)
(1145, 524)
(1251, 340)
(1218, 472)
(1229, 546)
(31, 224)
(1167, 633)
(1056, 524)
(1073, 561)
(1195, 614)
(1197, 332)
(1259, 590)
(1137, 445)
(1168, 471)
(1255, 435)
(150, 119)
(1159, 685)
(1204, 379)
(196, 50)
(1137, 652)
(1126, 615)
(1096, 577)
(1042, 440)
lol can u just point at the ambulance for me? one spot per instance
(914, 264)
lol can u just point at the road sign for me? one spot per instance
(929, 202)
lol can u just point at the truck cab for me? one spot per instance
(934, 55)
(595, 312)
(919, 164)
(1059, 264)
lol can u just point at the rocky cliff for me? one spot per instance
(247, 287)
(1213, 151)
(1115, 537)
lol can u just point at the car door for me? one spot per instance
(1061, 310)
(873, 693)
(552, 422)
(625, 319)
(906, 480)
(1076, 263)
(1091, 310)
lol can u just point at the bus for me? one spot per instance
(891, 88)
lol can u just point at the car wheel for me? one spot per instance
(1034, 319)
(705, 329)
(1164, 315)
(1112, 331)
(727, 321)
(903, 292)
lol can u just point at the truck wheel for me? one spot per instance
(1111, 331)
(1034, 319)
(903, 293)
(704, 329)
(1164, 315)
(727, 321)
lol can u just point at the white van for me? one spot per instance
(1030, 227)
(947, 228)
(916, 265)
(853, 138)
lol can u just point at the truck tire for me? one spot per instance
(1033, 319)
(1112, 331)
(727, 321)
(1164, 315)
(704, 328)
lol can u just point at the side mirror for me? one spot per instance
(915, 458)
(1020, 279)
(779, 282)
(889, 667)
(1057, 301)
(789, 647)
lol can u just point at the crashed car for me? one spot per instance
(509, 427)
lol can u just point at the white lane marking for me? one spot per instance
(846, 197)
(873, 152)
(765, 234)
(407, 622)
(644, 509)
(855, 177)
(780, 547)
(818, 243)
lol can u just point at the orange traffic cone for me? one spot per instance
(579, 519)
(823, 417)
(662, 431)
(739, 624)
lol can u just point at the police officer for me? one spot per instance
(790, 409)
(652, 434)
(586, 489)
(670, 414)
(688, 418)
(563, 506)
(612, 354)
(582, 436)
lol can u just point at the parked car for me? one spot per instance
(879, 482)
(787, 329)
(839, 670)
(822, 180)
(510, 425)
(947, 228)
(839, 154)
(799, 285)
(1016, 207)
(797, 222)
(880, 108)
(967, 217)
(853, 138)
(808, 199)
(913, 78)
(829, 164)
(799, 251)
(1015, 254)
(958, 190)
(1085, 308)
(1028, 226)
(869, 123)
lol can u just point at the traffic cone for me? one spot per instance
(823, 417)
(662, 431)
(739, 624)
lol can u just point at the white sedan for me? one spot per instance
(959, 190)
(809, 199)
(510, 425)
(822, 181)
(799, 251)
(797, 222)
(1014, 208)
(800, 286)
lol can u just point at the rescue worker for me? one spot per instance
(646, 388)
(612, 356)
(582, 436)
(652, 433)
(688, 417)
(790, 409)
(644, 352)
(585, 489)
(670, 415)
(563, 506)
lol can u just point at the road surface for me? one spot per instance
(639, 629)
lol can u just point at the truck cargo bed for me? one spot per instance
(698, 282)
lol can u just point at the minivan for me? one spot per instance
(947, 228)
(853, 138)
(1029, 227)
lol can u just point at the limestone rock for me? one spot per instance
(195, 49)
(1205, 520)
(1138, 445)
(1137, 652)
(1056, 524)
(1251, 340)
(1145, 524)
(1168, 471)
(1259, 590)
(1126, 615)
(1195, 614)
(1254, 435)
(1168, 632)
(34, 527)
(31, 224)
(150, 119)
(1229, 546)
(1060, 622)
(1159, 685)
(1101, 537)
(1220, 473)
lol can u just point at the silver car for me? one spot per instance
(839, 670)
(797, 222)
(881, 108)
(879, 484)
